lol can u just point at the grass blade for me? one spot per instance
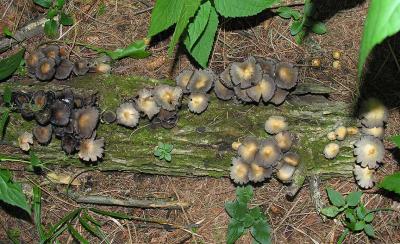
(76, 235)
(37, 209)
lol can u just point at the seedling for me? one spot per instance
(163, 151)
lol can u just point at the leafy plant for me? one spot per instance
(244, 218)
(9, 65)
(163, 151)
(302, 23)
(55, 8)
(351, 211)
(11, 192)
(136, 49)
(196, 21)
(392, 182)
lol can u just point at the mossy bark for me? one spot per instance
(202, 143)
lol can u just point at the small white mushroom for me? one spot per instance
(275, 124)
(127, 115)
(24, 141)
(341, 133)
(331, 150)
(239, 171)
(369, 151)
(364, 176)
(285, 172)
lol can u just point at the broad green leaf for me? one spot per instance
(318, 28)
(168, 147)
(359, 225)
(50, 28)
(353, 198)
(300, 36)
(188, 10)
(10, 64)
(135, 50)
(335, 197)
(240, 8)
(43, 3)
(296, 27)
(168, 157)
(235, 231)
(66, 19)
(288, 12)
(7, 95)
(37, 210)
(244, 194)
(60, 4)
(11, 193)
(76, 235)
(52, 13)
(361, 212)
(236, 209)
(383, 20)
(165, 14)
(94, 230)
(6, 175)
(369, 217)
(309, 8)
(157, 152)
(343, 236)
(350, 215)
(116, 215)
(395, 140)
(202, 48)
(330, 212)
(261, 232)
(256, 213)
(369, 230)
(198, 25)
(391, 183)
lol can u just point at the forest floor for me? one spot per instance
(113, 24)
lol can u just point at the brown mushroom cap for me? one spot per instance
(32, 60)
(225, 77)
(291, 158)
(246, 73)
(239, 171)
(268, 153)
(43, 134)
(81, 67)
(146, 103)
(51, 51)
(109, 116)
(284, 140)
(64, 69)
(168, 97)
(248, 149)
(286, 75)
(127, 115)
(201, 81)
(39, 99)
(223, 92)
(265, 89)
(198, 102)
(182, 80)
(43, 116)
(85, 121)
(268, 65)
(60, 113)
(285, 172)
(279, 96)
(69, 143)
(20, 98)
(241, 94)
(91, 149)
(258, 173)
(45, 69)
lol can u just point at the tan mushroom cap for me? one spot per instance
(369, 151)
(85, 121)
(239, 171)
(241, 94)
(364, 176)
(373, 113)
(275, 124)
(265, 89)
(64, 69)
(248, 149)
(331, 150)
(377, 132)
(147, 104)
(246, 73)
(291, 158)
(127, 115)
(222, 92)
(201, 81)
(45, 69)
(285, 172)
(258, 173)
(286, 75)
(182, 80)
(198, 102)
(268, 153)
(91, 149)
(24, 141)
(279, 96)
(341, 133)
(268, 65)
(284, 140)
(167, 97)
(81, 67)
(43, 134)
(225, 77)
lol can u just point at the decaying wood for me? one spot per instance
(202, 143)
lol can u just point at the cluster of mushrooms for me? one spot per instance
(70, 117)
(50, 62)
(258, 159)
(369, 149)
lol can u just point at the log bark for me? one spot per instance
(202, 143)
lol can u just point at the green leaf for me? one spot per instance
(330, 212)
(157, 152)
(369, 217)
(168, 157)
(343, 236)
(350, 215)
(10, 64)
(115, 215)
(361, 212)
(335, 197)
(359, 225)
(6, 175)
(52, 13)
(309, 8)
(43, 3)
(288, 12)
(369, 230)
(50, 28)
(300, 36)
(296, 27)
(256, 213)
(261, 232)
(37, 210)
(11, 193)
(244, 194)
(136, 50)
(395, 140)
(188, 10)
(198, 25)
(240, 8)
(235, 231)
(35, 161)
(66, 19)
(76, 235)
(383, 20)
(168, 147)
(60, 4)
(319, 28)
(7, 32)
(353, 198)
(391, 183)
(165, 13)
(94, 230)
(55, 230)
(7, 95)
(236, 209)
(202, 48)
(90, 218)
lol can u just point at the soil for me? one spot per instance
(292, 220)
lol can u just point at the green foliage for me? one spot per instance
(55, 8)
(136, 50)
(7, 32)
(240, 8)
(163, 151)
(9, 65)
(391, 183)
(352, 212)
(244, 218)
(383, 20)
(302, 23)
(395, 140)
(37, 210)
(11, 192)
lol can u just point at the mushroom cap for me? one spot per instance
(246, 73)
(32, 60)
(64, 69)
(167, 119)
(268, 65)
(248, 149)
(341, 133)
(268, 153)
(241, 94)
(168, 97)
(225, 78)
(275, 124)
(364, 176)
(369, 151)
(373, 113)
(285, 172)
(26, 111)
(352, 130)
(102, 68)
(45, 69)
(91, 149)
(201, 81)
(39, 99)
(258, 173)
(127, 115)
(81, 67)
(85, 121)
(286, 75)
(198, 102)
(69, 143)
(109, 116)
(67, 96)
(284, 139)
(20, 98)
(265, 89)
(331, 136)
(43, 117)
(377, 132)
(279, 96)
(222, 92)
(147, 104)
(24, 141)
(331, 150)
(43, 134)
(239, 171)
(60, 113)
(182, 80)
(235, 145)
(291, 158)
(51, 51)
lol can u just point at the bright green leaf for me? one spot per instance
(353, 198)
(60, 4)
(10, 64)
(35, 161)
(165, 14)
(197, 27)
(37, 210)
(43, 3)
(369, 217)
(343, 236)
(135, 50)
(76, 235)
(168, 147)
(90, 218)
(261, 232)
(11, 193)
(330, 212)
(318, 28)
(240, 8)
(361, 212)
(66, 19)
(168, 157)
(256, 213)
(350, 215)
(335, 197)
(116, 215)
(235, 231)
(61, 225)
(395, 140)
(244, 194)
(288, 12)
(369, 230)
(296, 27)
(383, 20)
(7, 95)
(359, 225)
(7, 32)
(391, 183)
(52, 13)
(300, 37)
(236, 210)
(309, 8)
(94, 230)
(50, 28)
(157, 152)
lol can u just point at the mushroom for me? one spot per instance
(285, 172)
(32, 61)
(236, 145)
(279, 96)
(91, 149)
(60, 113)
(268, 153)
(377, 132)
(45, 69)
(198, 102)
(182, 80)
(85, 121)
(201, 81)
(284, 140)
(20, 98)
(43, 117)
(147, 104)
(265, 89)
(258, 173)
(26, 111)
(267, 65)
(102, 68)
(373, 113)
(81, 67)
(331, 150)
(239, 171)
(341, 133)
(286, 75)
(225, 77)
(246, 73)
(51, 51)
(109, 116)
(275, 124)
(167, 97)
(69, 143)
(222, 92)
(369, 151)
(248, 149)
(127, 115)
(43, 134)
(64, 69)
(291, 158)
(24, 141)
(39, 99)
(364, 176)
(241, 94)
(352, 130)
(331, 136)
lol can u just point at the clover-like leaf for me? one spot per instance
(353, 198)
(369, 230)
(335, 197)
